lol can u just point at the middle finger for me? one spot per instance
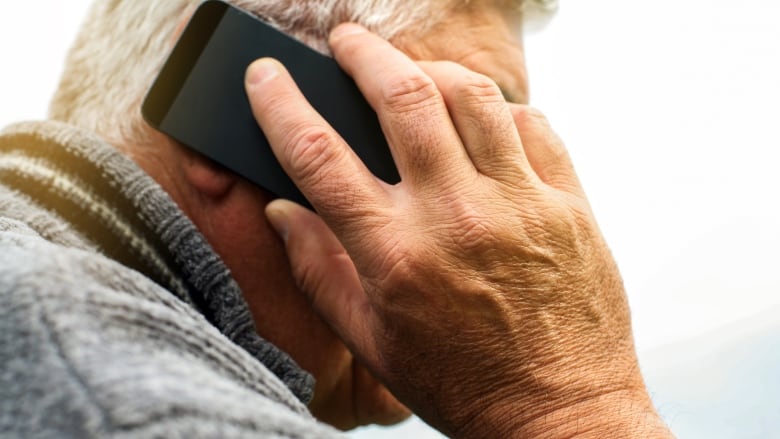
(425, 145)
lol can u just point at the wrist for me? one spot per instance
(617, 414)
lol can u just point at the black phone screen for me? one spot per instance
(199, 97)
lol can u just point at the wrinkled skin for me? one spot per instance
(479, 290)
(229, 211)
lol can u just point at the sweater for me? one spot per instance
(117, 319)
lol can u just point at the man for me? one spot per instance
(121, 319)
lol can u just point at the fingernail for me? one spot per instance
(346, 29)
(279, 220)
(261, 70)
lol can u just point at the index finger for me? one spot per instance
(317, 159)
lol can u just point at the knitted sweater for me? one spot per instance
(116, 316)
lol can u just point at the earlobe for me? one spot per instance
(206, 176)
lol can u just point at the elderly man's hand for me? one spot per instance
(479, 289)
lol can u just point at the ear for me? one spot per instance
(203, 174)
(206, 176)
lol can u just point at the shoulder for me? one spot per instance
(89, 347)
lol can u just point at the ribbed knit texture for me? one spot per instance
(107, 267)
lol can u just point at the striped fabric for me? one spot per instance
(100, 198)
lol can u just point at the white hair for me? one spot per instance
(123, 43)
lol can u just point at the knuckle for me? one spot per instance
(313, 277)
(475, 88)
(309, 149)
(410, 92)
(307, 278)
(525, 115)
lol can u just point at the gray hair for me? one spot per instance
(123, 44)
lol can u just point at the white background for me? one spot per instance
(670, 111)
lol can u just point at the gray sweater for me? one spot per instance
(116, 316)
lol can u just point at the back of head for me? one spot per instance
(123, 44)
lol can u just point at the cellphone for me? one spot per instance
(199, 97)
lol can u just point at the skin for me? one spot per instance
(230, 213)
(479, 289)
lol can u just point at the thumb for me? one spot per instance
(324, 271)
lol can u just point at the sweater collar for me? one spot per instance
(131, 219)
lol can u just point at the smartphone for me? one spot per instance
(199, 98)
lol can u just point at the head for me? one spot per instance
(120, 49)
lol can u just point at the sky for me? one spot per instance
(669, 110)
